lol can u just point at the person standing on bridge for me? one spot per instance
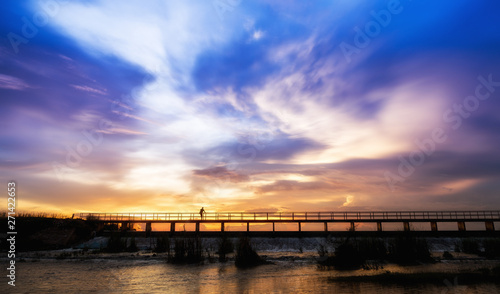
(202, 211)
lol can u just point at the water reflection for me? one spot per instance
(155, 276)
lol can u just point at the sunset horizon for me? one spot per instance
(250, 146)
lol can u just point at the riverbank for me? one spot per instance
(451, 262)
(292, 265)
(288, 272)
(440, 248)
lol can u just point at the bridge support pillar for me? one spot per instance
(379, 226)
(490, 226)
(352, 227)
(222, 227)
(197, 226)
(172, 227)
(326, 227)
(461, 226)
(406, 226)
(273, 226)
(148, 229)
(434, 226)
(300, 227)
(248, 227)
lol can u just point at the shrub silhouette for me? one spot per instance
(194, 252)
(115, 244)
(42, 231)
(353, 253)
(225, 247)
(409, 250)
(347, 255)
(372, 248)
(187, 251)
(179, 251)
(470, 246)
(132, 247)
(245, 255)
(162, 244)
(491, 248)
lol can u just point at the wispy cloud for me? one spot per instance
(12, 83)
(89, 89)
(120, 131)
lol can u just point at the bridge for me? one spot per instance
(126, 220)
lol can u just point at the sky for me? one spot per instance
(236, 105)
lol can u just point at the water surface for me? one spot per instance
(156, 276)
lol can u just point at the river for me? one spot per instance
(286, 274)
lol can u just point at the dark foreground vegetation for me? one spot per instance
(49, 232)
(246, 255)
(225, 246)
(42, 231)
(117, 243)
(490, 247)
(178, 250)
(353, 253)
(191, 250)
(187, 250)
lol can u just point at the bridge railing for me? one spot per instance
(297, 216)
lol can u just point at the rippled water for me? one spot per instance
(156, 276)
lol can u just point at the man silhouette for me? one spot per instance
(202, 211)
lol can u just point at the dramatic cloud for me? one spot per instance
(221, 173)
(265, 105)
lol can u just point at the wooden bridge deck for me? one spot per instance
(361, 216)
(126, 220)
